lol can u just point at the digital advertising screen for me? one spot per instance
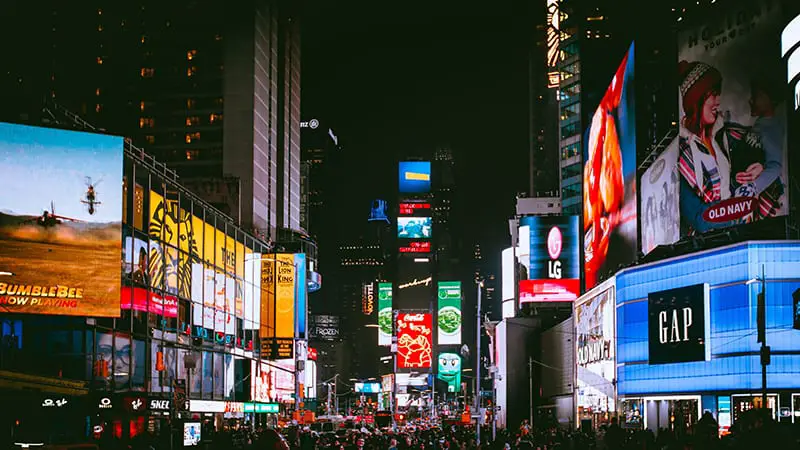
(379, 211)
(385, 314)
(414, 209)
(415, 177)
(414, 227)
(609, 179)
(415, 247)
(414, 340)
(551, 258)
(728, 165)
(60, 222)
(367, 388)
(449, 370)
(278, 289)
(448, 317)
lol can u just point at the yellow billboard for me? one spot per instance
(278, 287)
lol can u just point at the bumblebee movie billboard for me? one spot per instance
(60, 222)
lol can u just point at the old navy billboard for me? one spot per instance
(60, 222)
(552, 259)
(728, 165)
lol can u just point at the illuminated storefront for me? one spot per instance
(686, 336)
(189, 319)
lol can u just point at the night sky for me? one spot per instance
(396, 79)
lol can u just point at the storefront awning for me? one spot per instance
(21, 381)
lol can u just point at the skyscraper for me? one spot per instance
(214, 93)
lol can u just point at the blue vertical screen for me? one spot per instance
(301, 292)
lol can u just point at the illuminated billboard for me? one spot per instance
(277, 296)
(415, 247)
(385, 314)
(414, 227)
(728, 164)
(414, 340)
(595, 352)
(448, 317)
(551, 258)
(60, 222)
(414, 209)
(449, 371)
(609, 179)
(415, 177)
(378, 212)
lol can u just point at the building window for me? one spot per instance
(147, 72)
(146, 122)
(570, 130)
(191, 71)
(150, 139)
(97, 108)
(100, 60)
(570, 111)
(141, 105)
(143, 39)
(192, 154)
(191, 137)
(192, 121)
(570, 151)
(190, 102)
(97, 91)
(100, 28)
(218, 101)
(218, 37)
(99, 12)
(573, 170)
(213, 118)
(190, 54)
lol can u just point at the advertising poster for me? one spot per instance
(174, 226)
(731, 160)
(325, 327)
(414, 227)
(552, 259)
(191, 434)
(659, 200)
(385, 314)
(60, 222)
(449, 371)
(448, 318)
(609, 179)
(415, 177)
(595, 353)
(414, 340)
(278, 288)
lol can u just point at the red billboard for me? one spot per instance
(537, 291)
(410, 209)
(416, 247)
(414, 340)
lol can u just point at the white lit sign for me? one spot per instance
(416, 282)
(204, 406)
(54, 403)
(105, 403)
(790, 38)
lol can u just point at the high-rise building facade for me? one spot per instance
(213, 93)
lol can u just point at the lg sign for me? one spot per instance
(554, 246)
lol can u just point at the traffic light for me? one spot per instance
(761, 318)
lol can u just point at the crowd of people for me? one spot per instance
(751, 431)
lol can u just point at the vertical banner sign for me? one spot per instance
(268, 266)
(414, 340)
(301, 292)
(385, 314)
(448, 318)
(284, 298)
(368, 298)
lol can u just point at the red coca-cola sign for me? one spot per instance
(730, 209)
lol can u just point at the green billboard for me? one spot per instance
(448, 318)
(385, 314)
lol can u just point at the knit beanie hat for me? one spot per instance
(696, 80)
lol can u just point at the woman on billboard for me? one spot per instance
(718, 159)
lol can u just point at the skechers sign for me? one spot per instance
(678, 325)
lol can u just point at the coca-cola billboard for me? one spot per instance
(414, 340)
